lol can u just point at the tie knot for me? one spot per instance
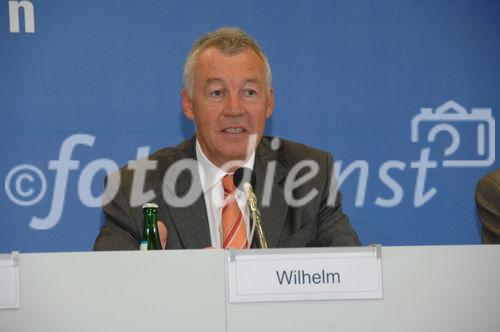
(228, 184)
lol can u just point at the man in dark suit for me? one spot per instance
(228, 94)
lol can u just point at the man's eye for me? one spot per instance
(250, 93)
(216, 93)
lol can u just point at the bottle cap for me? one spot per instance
(150, 206)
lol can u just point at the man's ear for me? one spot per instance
(270, 103)
(187, 105)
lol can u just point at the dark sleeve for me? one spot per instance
(488, 207)
(120, 231)
(334, 228)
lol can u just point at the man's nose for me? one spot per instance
(233, 105)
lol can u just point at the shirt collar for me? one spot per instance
(211, 175)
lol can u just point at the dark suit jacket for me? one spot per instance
(488, 206)
(314, 224)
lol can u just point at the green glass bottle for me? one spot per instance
(150, 235)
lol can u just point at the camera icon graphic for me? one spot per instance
(446, 119)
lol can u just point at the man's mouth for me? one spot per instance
(235, 130)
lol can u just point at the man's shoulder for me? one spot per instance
(162, 158)
(185, 149)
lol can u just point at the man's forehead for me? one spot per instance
(214, 66)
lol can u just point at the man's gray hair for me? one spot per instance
(229, 41)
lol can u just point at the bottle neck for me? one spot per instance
(150, 218)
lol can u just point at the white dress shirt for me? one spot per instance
(211, 184)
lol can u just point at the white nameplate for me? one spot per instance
(9, 281)
(330, 274)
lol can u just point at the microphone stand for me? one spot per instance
(257, 220)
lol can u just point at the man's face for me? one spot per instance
(230, 104)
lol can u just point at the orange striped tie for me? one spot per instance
(234, 232)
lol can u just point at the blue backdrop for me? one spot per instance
(403, 93)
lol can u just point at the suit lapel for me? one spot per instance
(191, 222)
(274, 214)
